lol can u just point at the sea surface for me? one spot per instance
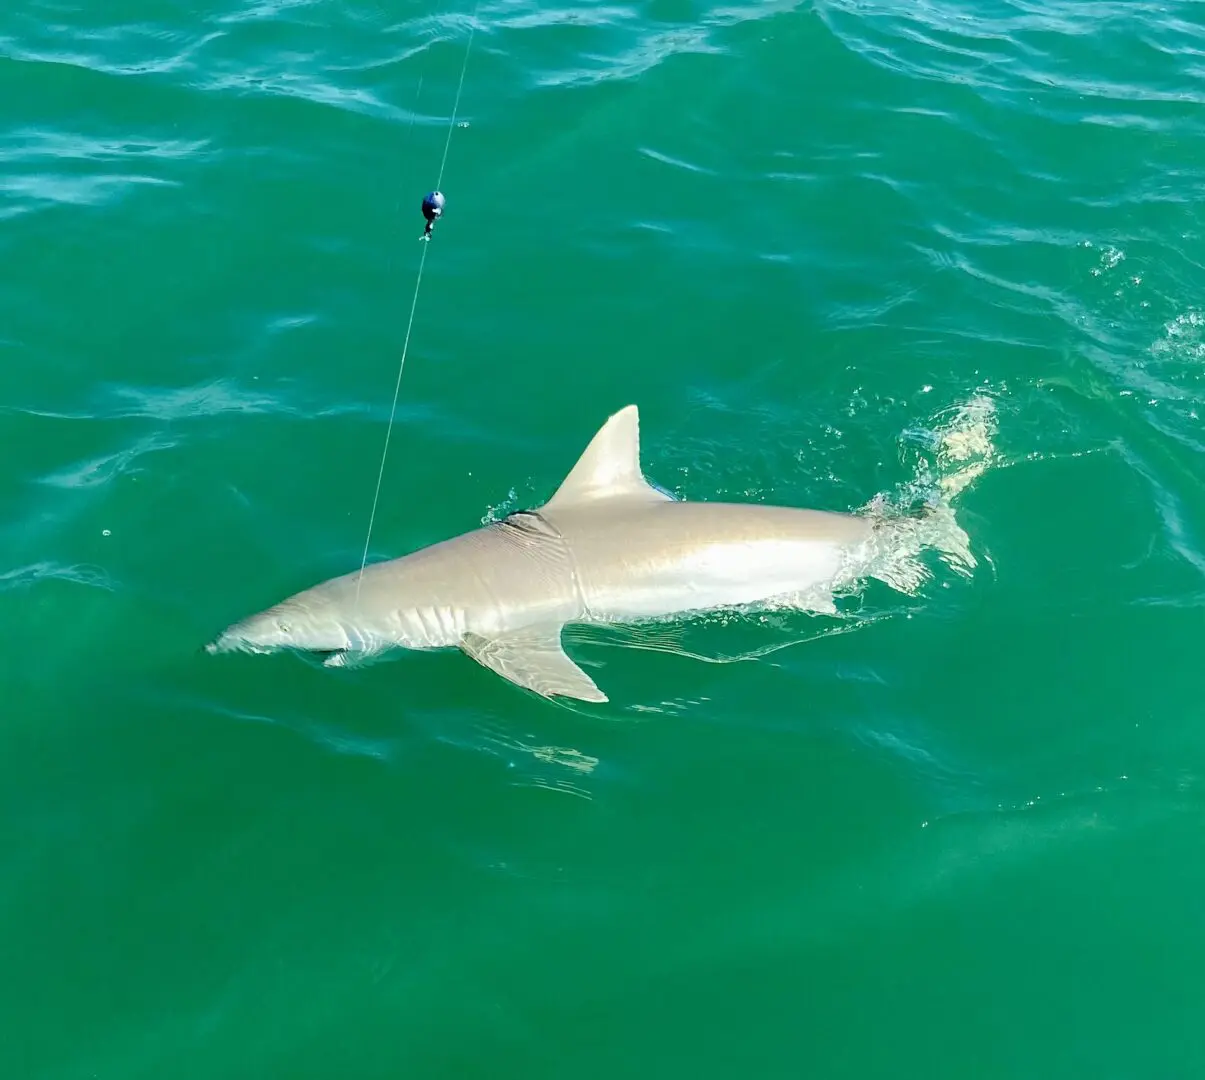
(842, 254)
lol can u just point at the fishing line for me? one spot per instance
(418, 281)
(456, 105)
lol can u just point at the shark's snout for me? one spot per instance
(259, 634)
(228, 642)
(303, 623)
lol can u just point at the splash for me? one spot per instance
(919, 516)
(502, 510)
(914, 519)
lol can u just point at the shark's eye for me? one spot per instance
(284, 627)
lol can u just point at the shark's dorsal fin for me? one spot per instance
(609, 468)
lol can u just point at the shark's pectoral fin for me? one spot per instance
(535, 660)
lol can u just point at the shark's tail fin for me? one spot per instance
(963, 446)
(919, 516)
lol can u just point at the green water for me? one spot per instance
(834, 251)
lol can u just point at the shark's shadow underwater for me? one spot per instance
(607, 548)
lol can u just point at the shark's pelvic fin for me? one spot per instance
(533, 658)
(609, 467)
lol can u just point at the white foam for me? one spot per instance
(961, 448)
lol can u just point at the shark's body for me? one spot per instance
(606, 548)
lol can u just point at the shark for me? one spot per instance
(608, 547)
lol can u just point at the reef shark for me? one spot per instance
(607, 548)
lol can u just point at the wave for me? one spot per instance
(24, 577)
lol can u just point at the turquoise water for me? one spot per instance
(838, 253)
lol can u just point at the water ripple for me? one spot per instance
(161, 52)
(29, 145)
(1017, 46)
(651, 50)
(73, 190)
(307, 87)
(101, 470)
(673, 162)
(23, 577)
(328, 736)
